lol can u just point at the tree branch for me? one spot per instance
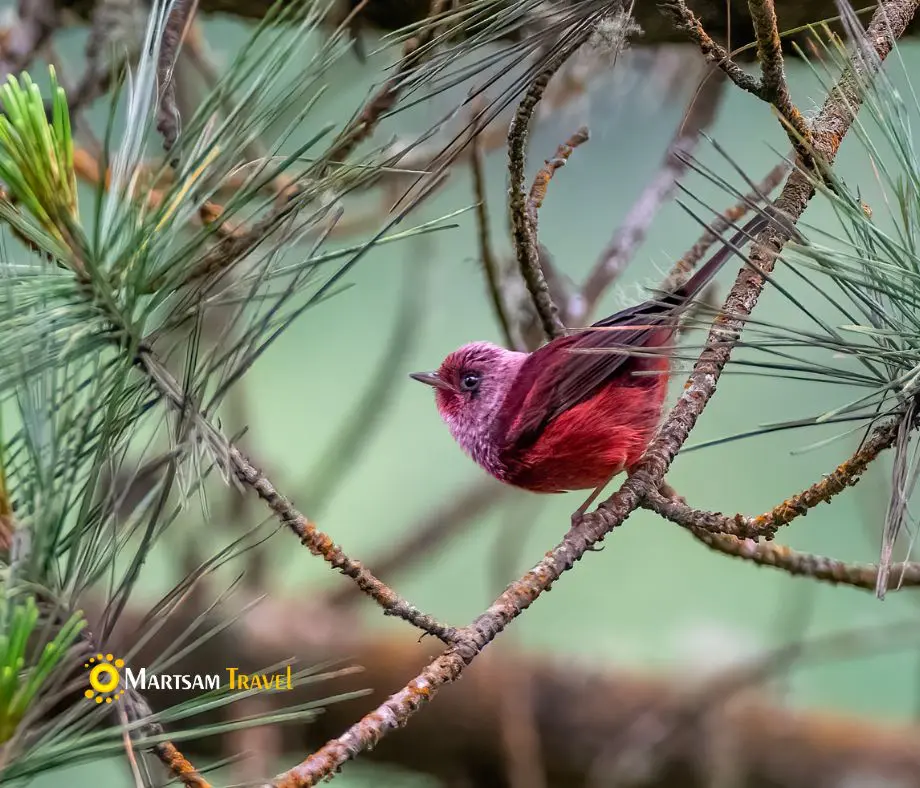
(433, 530)
(523, 223)
(765, 525)
(836, 116)
(817, 567)
(773, 86)
(177, 25)
(684, 19)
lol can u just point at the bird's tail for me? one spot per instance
(702, 277)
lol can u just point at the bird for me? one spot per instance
(579, 410)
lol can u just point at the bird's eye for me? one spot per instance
(469, 381)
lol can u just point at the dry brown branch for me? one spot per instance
(817, 567)
(765, 525)
(833, 121)
(174, 32)
(136, 708)
(548, 170)
(317, 542)
(586, 719)
(523, 223)
(179, 766)
(683, 267)
(684, 19)
(700, 114)
(772, 87)
(486, 254)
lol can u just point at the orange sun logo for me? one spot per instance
(104, 678)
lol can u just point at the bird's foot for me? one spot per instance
(577, 519)
(669, 492)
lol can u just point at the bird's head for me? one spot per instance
(470, 386)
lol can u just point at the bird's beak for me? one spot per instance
(431, 379)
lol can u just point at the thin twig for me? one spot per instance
(548, 170)
(179, 766)
(137, 709)
(817, 567)
(888, 23)
(523, 224)
(847, 474)
(684, 19)
(486, 253)
(180, 17)
(310, 536)
(617, 255)
(773, 85)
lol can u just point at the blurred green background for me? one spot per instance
(654, 598)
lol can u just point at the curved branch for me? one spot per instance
(523, 212)
(888, 23)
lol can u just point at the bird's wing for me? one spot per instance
(554, 378)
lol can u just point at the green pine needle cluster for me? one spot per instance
(21, 680)
(36, 157)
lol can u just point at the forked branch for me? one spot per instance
(888, 23)
(772, 87)
(766, 525)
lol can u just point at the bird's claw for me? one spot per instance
(577, 519)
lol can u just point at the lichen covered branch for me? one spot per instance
(772, 87)
(523, 224)
(684, 19)
(888, 23)
(765, 525)
(816, 567)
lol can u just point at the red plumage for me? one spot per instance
(574, 413)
